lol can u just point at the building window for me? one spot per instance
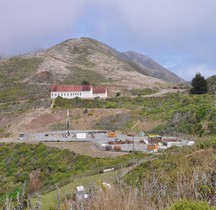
(61, 94)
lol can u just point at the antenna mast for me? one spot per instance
(68, 123)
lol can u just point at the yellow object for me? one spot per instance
(154, 136)
(151, 147)
(111, 134)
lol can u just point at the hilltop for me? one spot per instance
(74, 60)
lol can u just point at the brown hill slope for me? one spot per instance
(151, 68)
(69, 62)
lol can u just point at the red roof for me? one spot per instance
(99, 90)
(70, 88)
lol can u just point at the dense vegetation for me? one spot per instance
(199, 85)
(42, 167)
(180, 113)
(211, 81)
(176, 174)
(179, 173)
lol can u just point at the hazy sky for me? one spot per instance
(178, 34)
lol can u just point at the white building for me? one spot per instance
(82, 91)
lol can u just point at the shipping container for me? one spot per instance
(111, 134)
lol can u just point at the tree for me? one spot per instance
(199, 85)
(85, 82)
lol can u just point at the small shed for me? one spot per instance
(80, 193)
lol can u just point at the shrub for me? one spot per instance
(111, 105)
(191, 205)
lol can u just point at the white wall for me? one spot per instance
(84, 94)
(69, 95)
(101, 95)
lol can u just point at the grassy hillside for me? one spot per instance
(17, 69)
(211, 82)
(180, 178)
(180, 113)
(42, 167)
(176, 174)
(13, 73)
(179, 173)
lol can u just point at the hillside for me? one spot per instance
(72, 61)
(173, 114)
(150, 67)
(42, 167)
(211, 82)
(179, 173)
(25, 80)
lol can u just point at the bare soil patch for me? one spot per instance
(84, 148)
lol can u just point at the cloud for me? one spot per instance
(189, 71)
(180, 32)
(34, 24)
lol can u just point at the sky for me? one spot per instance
(178, 34)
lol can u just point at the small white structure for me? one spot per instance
(82, 91)
(80, 193)
(80, 188)
(190, 143)
(108, 169)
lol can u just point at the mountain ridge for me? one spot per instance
(151, 67)
(73, 61)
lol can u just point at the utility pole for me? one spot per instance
(68, 123)
(133, 149)
(133, 133)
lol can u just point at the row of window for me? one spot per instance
(66, 94)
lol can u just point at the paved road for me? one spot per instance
(100, 139)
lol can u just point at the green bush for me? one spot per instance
(202, 144)
(111, 105)
(179, 113)
(191, 205)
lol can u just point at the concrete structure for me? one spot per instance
(82, 91)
